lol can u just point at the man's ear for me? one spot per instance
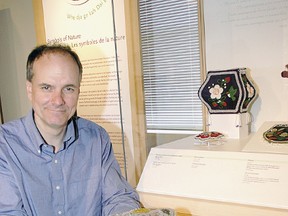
(29, 89)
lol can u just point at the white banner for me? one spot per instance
(88, 27)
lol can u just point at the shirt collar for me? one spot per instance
(70, 137)
(33, 130)
(72, 131)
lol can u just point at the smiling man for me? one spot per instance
(51, 161)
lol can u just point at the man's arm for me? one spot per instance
(10, 199)
(117, 194)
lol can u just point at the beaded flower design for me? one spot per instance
(227, 91)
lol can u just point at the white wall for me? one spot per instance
(17, 38)
(252, 34)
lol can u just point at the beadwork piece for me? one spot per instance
(227, 91)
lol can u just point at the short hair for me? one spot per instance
(41, 50)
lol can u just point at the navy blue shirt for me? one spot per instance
(83, 178)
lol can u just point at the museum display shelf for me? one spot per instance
(215, 178)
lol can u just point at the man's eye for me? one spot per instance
(69, 89)
(46, 88)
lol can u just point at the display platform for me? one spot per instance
(215, 179)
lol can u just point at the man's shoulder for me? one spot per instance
(84, 123)
(11, 134)
(88, 128)
(12, 127)
(18, 125)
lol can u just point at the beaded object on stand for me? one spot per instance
(227, 91)
(212, 137)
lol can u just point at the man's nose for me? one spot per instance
(57, 98)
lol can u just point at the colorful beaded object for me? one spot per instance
(209, 136)
(277, 134)
(149, 212)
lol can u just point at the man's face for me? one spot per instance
(54, 90)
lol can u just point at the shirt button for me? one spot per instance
(59, 212)
(57, 187)
(55, 161)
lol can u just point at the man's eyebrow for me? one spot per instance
(42, 84)
(71, 85)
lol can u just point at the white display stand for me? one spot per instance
(217, 173)
(233, 126)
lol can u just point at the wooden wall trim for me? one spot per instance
(39, 22)
(136, 84)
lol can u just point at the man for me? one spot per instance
(51, 161)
